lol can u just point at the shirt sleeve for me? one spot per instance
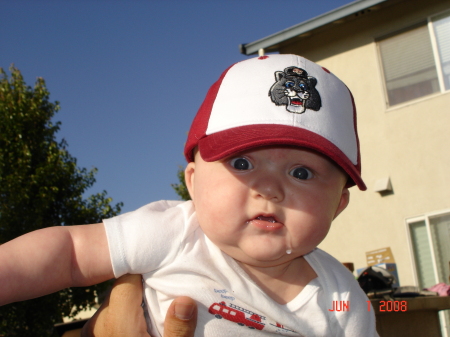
(143, 240)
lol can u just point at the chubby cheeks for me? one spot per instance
(268, 205)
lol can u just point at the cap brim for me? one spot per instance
(232, 141)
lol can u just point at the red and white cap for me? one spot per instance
(278, 100)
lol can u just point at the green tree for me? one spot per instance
(41, 186)
(181, 188)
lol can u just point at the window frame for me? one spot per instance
(425, 218)
(428, 22)
(444, 315)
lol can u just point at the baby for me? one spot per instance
(271, 154)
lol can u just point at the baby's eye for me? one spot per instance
(301, 173)
(289, 84)
(241, 164)
(302, 86)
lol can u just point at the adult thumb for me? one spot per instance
(181, 318)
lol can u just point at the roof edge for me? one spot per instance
(308, 25)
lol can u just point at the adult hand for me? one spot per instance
(122, 315)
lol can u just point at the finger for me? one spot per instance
(181, 318)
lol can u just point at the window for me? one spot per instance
(422, 254)
(430, 243)
(416, 62)
(441, 26)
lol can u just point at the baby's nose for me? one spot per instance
(269, 188)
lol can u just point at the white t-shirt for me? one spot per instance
(163, 242)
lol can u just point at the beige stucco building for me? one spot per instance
(394, 55)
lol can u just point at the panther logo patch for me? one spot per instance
(296, 90)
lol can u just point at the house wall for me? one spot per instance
(408, 143)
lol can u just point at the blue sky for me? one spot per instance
(130, 75)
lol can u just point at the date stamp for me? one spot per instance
(384, 306)
(340, 306)
(391, 306)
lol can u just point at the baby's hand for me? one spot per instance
(122, 315)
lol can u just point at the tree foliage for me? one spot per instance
(41, 186)
(181, 188)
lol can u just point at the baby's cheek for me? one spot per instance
(310, 229)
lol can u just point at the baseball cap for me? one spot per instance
(278, 99)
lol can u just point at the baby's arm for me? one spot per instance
(51, 259)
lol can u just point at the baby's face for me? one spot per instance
(263, 203)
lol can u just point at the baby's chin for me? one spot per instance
(268, 257)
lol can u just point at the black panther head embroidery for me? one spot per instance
(295, 89)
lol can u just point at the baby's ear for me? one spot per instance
(343, 203)
(189, 174)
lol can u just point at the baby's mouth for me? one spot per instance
(266, 218)
(266, 223)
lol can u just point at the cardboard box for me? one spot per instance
(383, 258)
(383, 255)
